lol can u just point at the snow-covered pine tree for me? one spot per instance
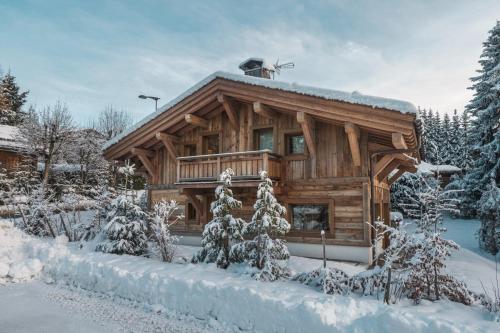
(446, 145)
(484, 109)
(223, 230)
(489, 213)
(125, 229)
(465, 143)
(165, 214)
(268, 221)
(11, 101)
(455, 138)
(403, 192)
(431, 132)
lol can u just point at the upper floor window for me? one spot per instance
(263, 139)
(295, 144)
(211, 144)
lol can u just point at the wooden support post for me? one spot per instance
(307, 124)
(265, 162)
(144, 155)
(388, 169)
(352, 132)
(366, 213)
(230, 111)
(196, 121)
(399, 141)
(263, 110)
(168, 141)
(197, 204)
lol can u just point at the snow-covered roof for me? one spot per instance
(425, 167)
(10, 137)
(61, 167)
(336, 95)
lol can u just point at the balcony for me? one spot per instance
(246, 166)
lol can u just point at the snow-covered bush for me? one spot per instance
(264, 252)
(36, 216)
(489, 213)
(125, 230)
(327, 279)
(163, 216)
(223, 230)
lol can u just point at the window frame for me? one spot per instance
(254, 142)
(287, 142)
(311, 201)
(203, 142)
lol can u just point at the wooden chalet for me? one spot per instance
(330, 154)
(12, 149)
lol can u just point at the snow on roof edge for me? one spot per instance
(354, 98)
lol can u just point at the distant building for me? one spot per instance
(445, 171)
(11, 147)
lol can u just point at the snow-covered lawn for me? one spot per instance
(205, 297)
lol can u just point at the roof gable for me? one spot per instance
(334, 95)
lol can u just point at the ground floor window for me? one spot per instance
(310, 217)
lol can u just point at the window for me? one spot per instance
(263, 139)
(310, 217)
(190, 150)
(191, 212)
(295, 144)
(211, 144)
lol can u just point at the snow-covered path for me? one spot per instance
(39, 307)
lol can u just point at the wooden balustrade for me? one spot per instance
(246, 165)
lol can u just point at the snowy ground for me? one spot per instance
(98, 292)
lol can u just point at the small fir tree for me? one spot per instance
(223, 230)
(264, 252)
(125, 230)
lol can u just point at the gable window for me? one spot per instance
(295, 144)
(263, 139)
(310, 217)
(211, 144)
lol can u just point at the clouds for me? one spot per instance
(108, 52)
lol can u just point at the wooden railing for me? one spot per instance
(246, 165)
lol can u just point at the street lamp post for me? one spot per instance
(151, 97)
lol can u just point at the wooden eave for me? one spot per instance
(377, 122)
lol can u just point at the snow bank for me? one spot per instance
(236, 300)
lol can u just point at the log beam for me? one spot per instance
(388, 169)
(196, 121)
(143, 156)
(401, 170)
(230, 111)
(383, 163)
(398, 141)
(263, 110)
(307, 124)
(352, 132)
(168, 141)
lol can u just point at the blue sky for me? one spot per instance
(94, 53)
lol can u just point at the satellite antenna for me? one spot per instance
(277, 67)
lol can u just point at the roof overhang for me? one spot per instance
(378, 116)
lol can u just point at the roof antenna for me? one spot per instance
(277, 67)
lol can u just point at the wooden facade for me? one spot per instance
(317, 151)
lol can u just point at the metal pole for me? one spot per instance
(324, 247)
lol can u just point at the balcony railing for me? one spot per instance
(246, 166)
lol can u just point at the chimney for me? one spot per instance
(256, 67)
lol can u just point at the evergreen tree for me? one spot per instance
(125, 230)
(446, 144)
(484, 110)
(465, 143)
(223, 230)
(268, 221)
(489, 213)
(11, 101)
(455, 138)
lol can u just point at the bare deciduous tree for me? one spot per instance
(46, 132)
(112, 122)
